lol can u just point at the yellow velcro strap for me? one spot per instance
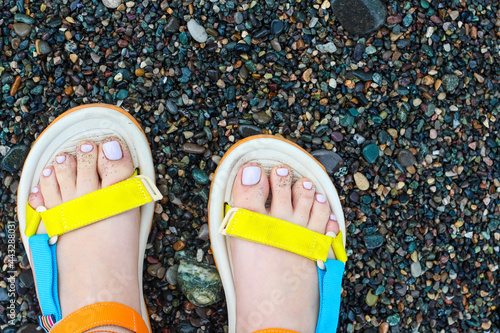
(267, 230)
(95, 206)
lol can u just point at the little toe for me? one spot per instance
(114, 162)
(302, 199)
(320, 213)
(50, 188)
(332, 229)
(87, 179)
(36, 198)
(251, 188)
(65, 168)
(281, 189)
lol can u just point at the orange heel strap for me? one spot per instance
(275, 330)
(99, 314)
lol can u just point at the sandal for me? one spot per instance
(226, 221)
(96, 122)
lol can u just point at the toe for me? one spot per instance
(320, 213)
(36, 198)
(302, 199)
(87, 179)
(65, 168)
(332, 225)
(281, 189)
(49, 187)
(251, 188)
(114, 162)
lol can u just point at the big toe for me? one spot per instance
(114, 162)
(251, 188)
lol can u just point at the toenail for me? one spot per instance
(307, 185)
(251, 175)
(333, 217)
(321, 198)
(47, 172)
(112, 150)
(60, 159)
(35, 190)
(282, 172)
(86, 148)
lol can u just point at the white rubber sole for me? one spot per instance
(91, 122)
(267, 151)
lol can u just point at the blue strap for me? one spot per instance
(330, 289)
(45, 266)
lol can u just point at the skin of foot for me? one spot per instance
(99, 262)
(276, 288)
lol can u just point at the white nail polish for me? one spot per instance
(307, 185)
(321, 198)
(283, 172)
(35, 190)
(112, 150)
(60, 159)
(47, 172)
(251, 175)
(86, 148)
(333, 217)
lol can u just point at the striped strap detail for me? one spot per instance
(47, 322)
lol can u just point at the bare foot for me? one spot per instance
(276, 288)
(99, 262)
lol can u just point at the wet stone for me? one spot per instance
(24, 18)
(373, 241)
(276, 26)
(14, 159)
(371, 152)
(393, 320)
(171, 275)
(360, 17)
(26, 279)
(192, 148)
(4, 295)
(172, 25)
(199, 282)
(200, 176)
(22, 29)
(371, 299)
(249, 130)
(331, 161)
(327, 48)
(261, 118)
(44, 47)
(450, 82)
(406, 158)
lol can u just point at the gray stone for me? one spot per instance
(327, 48)
(197, 31)
(261, 117)
(111, 3)
(416, 269)
(450, 82)
(22, 29)
(406, 158)
(171, 275)
(203, 232)
(14, 159)
(26, 279)
(360, 17)
(199, 282)
(331, 161)
(172, 25)
(4, 295)
(44, 47)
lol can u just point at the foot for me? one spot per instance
(96, 263)
(276, 288)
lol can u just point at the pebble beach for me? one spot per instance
(399, 100)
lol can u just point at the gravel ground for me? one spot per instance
(405, 119)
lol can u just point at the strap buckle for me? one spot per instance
(52, 239)
(151, 187)
(229, 215)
